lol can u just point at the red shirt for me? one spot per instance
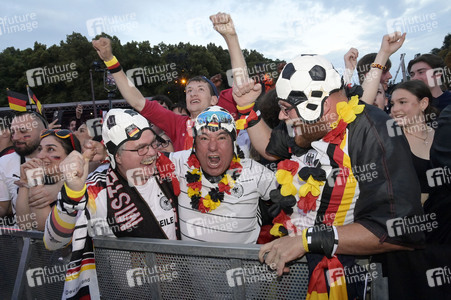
(178, 127)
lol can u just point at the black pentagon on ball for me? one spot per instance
(311, 106)
(131, 112)
(317, 94)
(111, 121)
(317, 73)
(296, 97)
(288, 71)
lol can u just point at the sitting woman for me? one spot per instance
(412, 111)
(41, 179)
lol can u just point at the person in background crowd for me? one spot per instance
(431, 69)
(26, 128)
(364, 65)
(39, 173)
(180, 109)
(412, 111)
(6, 145)
(74, 123)
(164, 101)
(439, 201)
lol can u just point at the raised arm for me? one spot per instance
(245, 91)
(350, 64)
(390, 44)
(128, 90)
(60, 223)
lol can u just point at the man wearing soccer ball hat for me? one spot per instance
(134, 197)
(219, 189)
(339, 196)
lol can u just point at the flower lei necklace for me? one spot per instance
(216, 195)
(314, 177)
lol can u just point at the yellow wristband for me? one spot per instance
(245, 107)
(74, 194)
(304, 240)
(111, 62)
(378, 66)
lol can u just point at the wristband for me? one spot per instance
(249, 120)
(113, 65)
(245, 110)
(304, 240)
(322, 239)
(378, 66)
(75, 195)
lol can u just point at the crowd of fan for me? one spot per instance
(228, 158)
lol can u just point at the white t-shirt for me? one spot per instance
(236, 219)
(155, 199)
(9, 172)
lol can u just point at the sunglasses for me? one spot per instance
(285, 109)
(61, 133)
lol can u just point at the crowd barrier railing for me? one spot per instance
(137, 268)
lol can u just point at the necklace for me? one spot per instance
(314, 177)
(420, 138)
(216, 195)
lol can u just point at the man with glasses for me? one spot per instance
(351, 184)
(25, 130)
(134, 197)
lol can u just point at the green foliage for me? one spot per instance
(185, 59)
(445, 51)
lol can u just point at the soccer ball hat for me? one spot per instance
(306, 82)
(122, 125)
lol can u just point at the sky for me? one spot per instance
(277, 29)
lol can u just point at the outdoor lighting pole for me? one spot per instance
(92, 93)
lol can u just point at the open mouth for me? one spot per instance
(195, 101)
(148, 161)
(213, 161)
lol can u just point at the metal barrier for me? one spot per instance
(135, 268)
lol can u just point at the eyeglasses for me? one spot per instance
(143, 150)
(285, 109)
(61, 133)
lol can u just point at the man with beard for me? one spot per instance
(25, 129)
(343, 193)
